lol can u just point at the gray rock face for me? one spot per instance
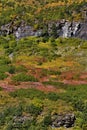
(26, 30)
(66, 120)
(6, 29)
(63, 28)
(82, 32)
(19, 31)
(70, 29)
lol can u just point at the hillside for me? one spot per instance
(37, 78)
(43, 65)
(35, 10)
(48, 18)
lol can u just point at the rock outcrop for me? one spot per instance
(20, 30)
(65, 28)
(61, 28)
(66, 120)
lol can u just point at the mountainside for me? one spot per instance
(38, 18)
(43, 65)
(40, 11)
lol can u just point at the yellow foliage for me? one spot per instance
(44, 45)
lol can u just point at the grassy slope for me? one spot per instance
(48, 61)
(51, 62)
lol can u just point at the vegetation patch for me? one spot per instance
(23, 78)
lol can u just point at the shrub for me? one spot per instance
(11, 69)
(4, 68)
(14, 111)
(4, 60)
(38, 127)
(18, 111)
(21, 68)
(47, 120)
(52, 96)
(9, 127)
(34, 110)
(3, 76)
(1, 88)
(24, 78)
(28, 93)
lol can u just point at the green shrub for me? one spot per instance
(28, 93)
(1, 88)
(2, 119)
(4, 60)
(3, 76)
(56, 84)
(38, 127)
(24, 78)
(34, 110)
(47, 120)
(18, 111)
(13, 111)
(84, 127)
(10, 126)
(4, 68)
(11, 69)
(52, 96)
(20, 68)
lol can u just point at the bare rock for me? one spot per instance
(66, 120)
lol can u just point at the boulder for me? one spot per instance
(66, 120)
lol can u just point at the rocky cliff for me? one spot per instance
(61, 28)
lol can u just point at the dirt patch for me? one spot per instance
(67, 75)
(73, 78)
(83, 76)
(6, 86)
(40, 86)
(25, 85)
(74, 82)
